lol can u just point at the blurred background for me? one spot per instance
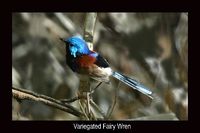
(149, 47)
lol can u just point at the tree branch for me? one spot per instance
(90, 22)
(22, 94)
(85, 86)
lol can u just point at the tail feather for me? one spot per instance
(133, 84)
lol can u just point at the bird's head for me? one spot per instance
(75, 45)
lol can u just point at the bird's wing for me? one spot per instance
(97, 67)
(101, 62)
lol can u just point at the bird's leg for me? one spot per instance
(93, 90)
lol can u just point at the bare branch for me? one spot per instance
(72, 99)
(22, 94)
(90, 22)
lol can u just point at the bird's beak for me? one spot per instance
(62, 39)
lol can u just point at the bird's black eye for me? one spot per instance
(69, 44)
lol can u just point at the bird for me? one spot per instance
(84, 61)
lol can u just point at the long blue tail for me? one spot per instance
(133, 84)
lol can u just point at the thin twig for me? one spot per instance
(97, 108)
(110, 110)
(82, 109)
(72, 99)
(88, 104)
(93, 90)
(22, 94)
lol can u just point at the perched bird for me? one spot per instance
(84, 61)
